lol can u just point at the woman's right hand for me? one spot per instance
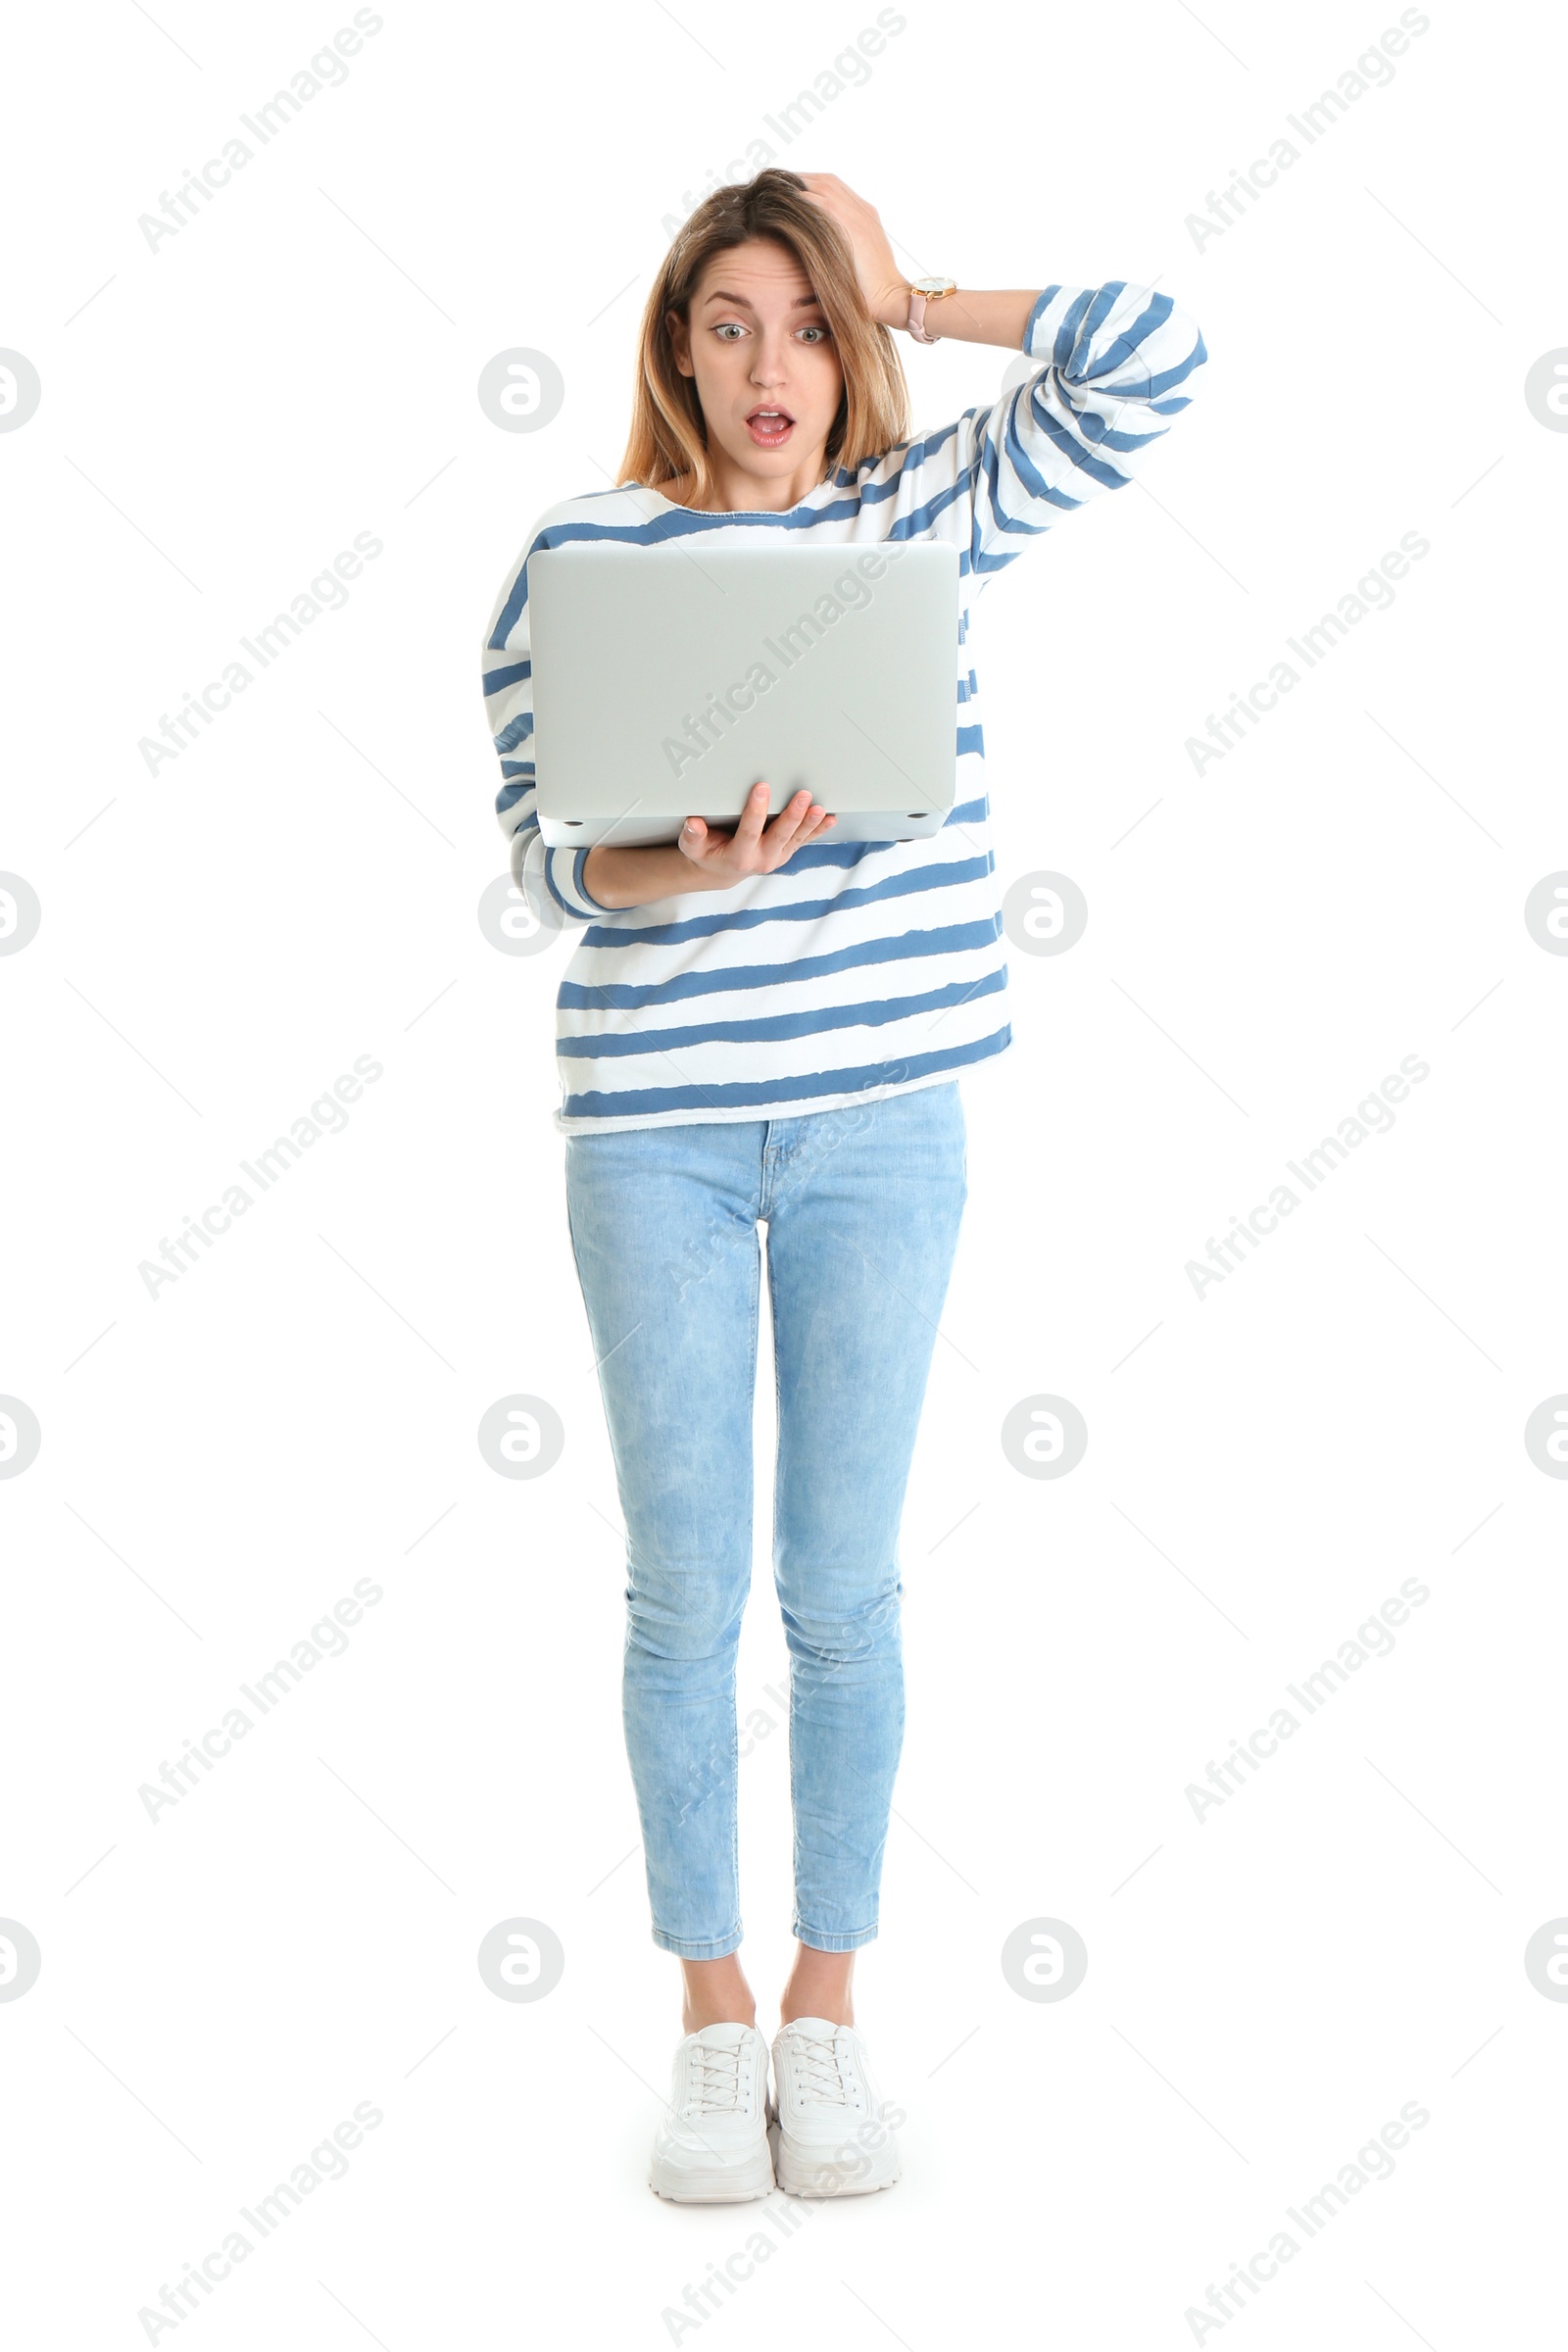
(759, 845)
(703, 859)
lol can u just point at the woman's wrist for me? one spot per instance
(616, 876)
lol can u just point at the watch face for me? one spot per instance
(932, 285)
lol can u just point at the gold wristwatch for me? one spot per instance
(922, 291)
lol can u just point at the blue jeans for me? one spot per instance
(862, 1208)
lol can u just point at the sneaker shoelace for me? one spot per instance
(716, 2079)
(826, 2079)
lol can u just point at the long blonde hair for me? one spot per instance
(668, 435)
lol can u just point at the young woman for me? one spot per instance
(767, 1025)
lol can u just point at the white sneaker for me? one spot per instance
(711, 2146)
(834, 2136)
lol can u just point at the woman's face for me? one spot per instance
(758, 340)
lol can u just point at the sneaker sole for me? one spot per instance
(721, 2184)
(799, 2177)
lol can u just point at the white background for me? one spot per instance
(1265, 1466)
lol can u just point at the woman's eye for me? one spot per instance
(728, 328)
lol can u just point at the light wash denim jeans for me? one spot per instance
(863, 1209)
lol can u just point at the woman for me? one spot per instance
(766, 1024)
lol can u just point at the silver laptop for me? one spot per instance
(667, 680)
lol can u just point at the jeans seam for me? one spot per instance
(778, 1426)
(734, 1713)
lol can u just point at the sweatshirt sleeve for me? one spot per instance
(550, 879)
(1115, 365)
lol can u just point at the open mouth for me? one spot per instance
(769, 428)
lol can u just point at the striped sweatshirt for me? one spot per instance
(858, 969)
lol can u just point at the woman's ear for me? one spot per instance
(679, 342)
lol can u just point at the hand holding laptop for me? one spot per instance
(707, 859)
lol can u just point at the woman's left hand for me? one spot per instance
(883, 284)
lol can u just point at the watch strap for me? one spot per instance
(916, 319)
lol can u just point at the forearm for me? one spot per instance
(969, 316)
(618, 876)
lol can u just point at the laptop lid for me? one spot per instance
(667, 680)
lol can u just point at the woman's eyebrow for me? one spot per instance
(802, 301)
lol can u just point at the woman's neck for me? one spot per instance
(680, 493)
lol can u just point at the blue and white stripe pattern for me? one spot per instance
(858, 968)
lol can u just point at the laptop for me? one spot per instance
(667, 680)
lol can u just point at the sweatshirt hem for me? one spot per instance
(800, 1107)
